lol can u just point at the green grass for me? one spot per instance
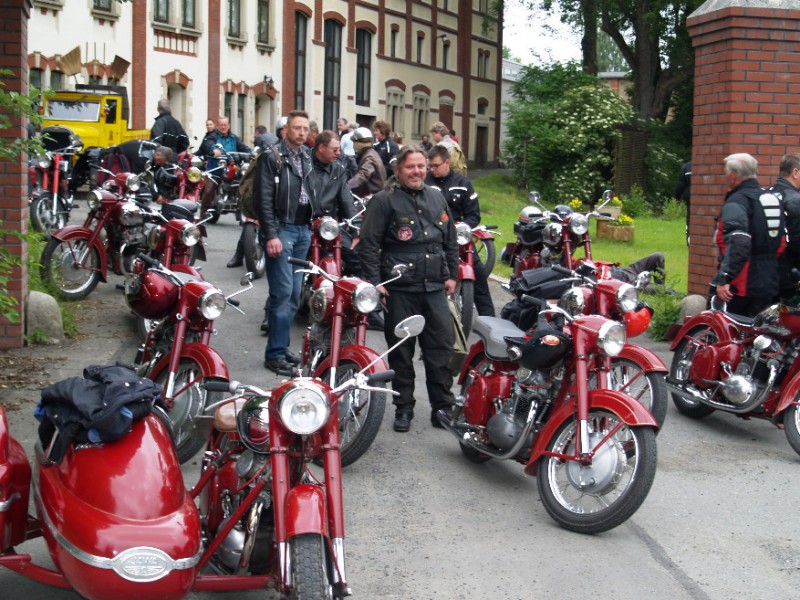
(501, 202)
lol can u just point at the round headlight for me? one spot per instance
(194, 174)
(190, 234)
(365, 297)
(579, 224)
(572, 301)
(130, 214)
(552, 234)
(44, 161)
(627, 298)
(303, 408)
(463, 234)
(328, 228)
(317, 305)
(154, 238)
(611, 338)
(133, 183)
(95, 200)
(197, 161)
(212, 304)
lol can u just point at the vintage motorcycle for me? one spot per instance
(51, 198)
(467, 237)
(228, 174)
(335, 347)
(119, 522)
(525, 396)
(77, 257)
(177, 352)
(741, 365)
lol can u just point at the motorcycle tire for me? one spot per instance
(194, 253)
(486, 250)
(620, 476)
(73, 280)
(190, 400)
(360, 413)
(649, 389)
(43, 218)
(310, 573)
(791, 426)
(679, 370)
(254, 258)
(465, 300)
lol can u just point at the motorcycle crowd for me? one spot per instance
(556, 384)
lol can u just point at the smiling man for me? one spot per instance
(410, 223)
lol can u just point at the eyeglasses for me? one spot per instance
(435, 166)
(334, 149)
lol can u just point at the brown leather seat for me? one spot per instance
(225, 416)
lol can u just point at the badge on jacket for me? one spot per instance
(444, 217)
(404, 234)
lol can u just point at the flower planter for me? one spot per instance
(621, 233)
(613, 211)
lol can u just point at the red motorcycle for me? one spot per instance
(335, 347)
(227, 175)
(50, 178)
(120, 524)
(177, 351)
(191, 178)
(471, 242)
(525, 396)
(78, 257)
(740, 365)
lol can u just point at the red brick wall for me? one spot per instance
(13, 187)
(746, 99)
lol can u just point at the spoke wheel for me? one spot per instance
(791, 426)
(254, 258)
(71, 267)
(190, 399)
(44, 217)
(310, 574)
(649, 389)
(697, 338)
(465, 301)
(600, 496)
(360, 413)
(486, 250)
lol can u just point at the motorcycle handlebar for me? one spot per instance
(149, 260)
(232, 301)
(221, 386)
(532, 300)
(562, 270)
(380, 376)
(299, 262)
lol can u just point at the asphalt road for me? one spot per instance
(424, 523)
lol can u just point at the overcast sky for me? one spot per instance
(531, 43)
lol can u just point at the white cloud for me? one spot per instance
(526, 34)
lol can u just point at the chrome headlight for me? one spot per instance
(552, 234)
(95, 200)
(44, 161)
(365, 297)
(154, 238)
(303, 408)
(627, 298)
(611, 338)
(463, 234)
(328, 228)
(194, 174)
(212, 304)
(130, 214)
(572, 301)
(579, 224)
(190, 234)
(197, 161)
(133, 182)
(318, 304)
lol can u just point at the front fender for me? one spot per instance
(73, 232)
(647, 359)
(360, 355)
(305, 511)
(210, 361)
(789, 395)
(626, 408)
(725, 329)
(465, 271)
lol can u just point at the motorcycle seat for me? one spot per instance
(493, 331)
(225, 416)
(740, 319)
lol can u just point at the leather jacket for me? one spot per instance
(330, 196)
(370, 176)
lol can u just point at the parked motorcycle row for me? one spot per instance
(561, 390)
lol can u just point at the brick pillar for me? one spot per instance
(13, 187)
(746, 99)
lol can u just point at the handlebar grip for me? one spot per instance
(299, 262)
(491, 226)
(533, 300)
(149, 260)
(221, 386)
(562, 270)
(232, 301)
(380, 376)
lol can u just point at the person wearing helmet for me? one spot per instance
(385, 146)
(410, 223)
(370, 176)
(463, 202)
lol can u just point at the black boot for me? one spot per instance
(238, 257)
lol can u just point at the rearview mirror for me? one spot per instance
(410, 327)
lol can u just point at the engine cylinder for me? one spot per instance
(503, 430)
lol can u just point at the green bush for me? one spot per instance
(673, 210)
(635, 204)
(666, 309)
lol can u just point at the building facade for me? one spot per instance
(408, 62)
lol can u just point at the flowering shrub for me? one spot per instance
(623, 221)
(615, 201)
(576, 205)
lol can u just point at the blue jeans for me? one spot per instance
(284, 287)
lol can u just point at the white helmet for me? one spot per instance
(362, 134)
(280, 123)
(529, 213)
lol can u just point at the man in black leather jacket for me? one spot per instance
(282, 198)
(788, 187)
(410, 223)
(167, 130)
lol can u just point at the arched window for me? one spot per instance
(395, 103)
(422, 119)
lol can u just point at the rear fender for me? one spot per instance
(305, 511)
(626, 408)
(72, 232)
(476, 349)
(725, 329)
(15, 485)
(210, 361)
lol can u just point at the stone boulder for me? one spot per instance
(43, 315)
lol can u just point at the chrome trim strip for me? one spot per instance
(6, 504)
